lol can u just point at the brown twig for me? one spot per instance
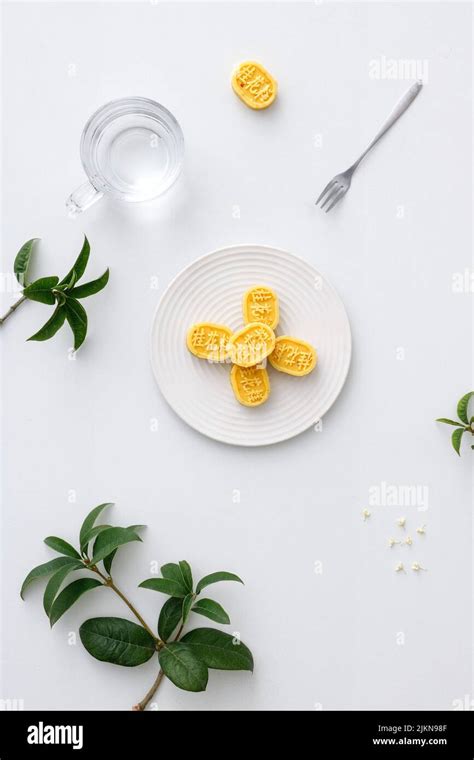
(151, 692)
(12, 309)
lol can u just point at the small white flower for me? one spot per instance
(366, 513)
(421, 530)
(401, 522)
(409, 540)
(400, 568)
(417, 567)
(392, 542)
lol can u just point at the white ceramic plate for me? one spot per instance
(211, 290)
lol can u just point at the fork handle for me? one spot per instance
(405, 101)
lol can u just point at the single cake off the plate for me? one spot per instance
(254, 85)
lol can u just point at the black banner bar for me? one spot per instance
(371, 734)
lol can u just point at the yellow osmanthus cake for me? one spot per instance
(251, 344)
(254, 85)
(251, 385)
(207, 340)
(293, 356)
(260, 304)
(248, 347)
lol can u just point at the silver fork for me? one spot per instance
(340, 184)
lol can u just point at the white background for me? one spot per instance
(84, 427)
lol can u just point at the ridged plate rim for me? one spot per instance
(227, 437)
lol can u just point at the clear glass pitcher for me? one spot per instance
(131, 150)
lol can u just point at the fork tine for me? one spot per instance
(329, 184)
(338, 197)
(331, 195)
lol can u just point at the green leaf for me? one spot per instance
(90, 288)
(61, 546)
(41, 290)
(110, 558)
(135, 527)
(170, 617)
(164, 586)
(55, 582)
(172, 571)
(462, 407)
(217, 649)
(111, 539)
(22, 260)
(42, 296)
(80, 264)
(72, 281)
(90, 520)
(92, 534)
(211, 610)
(108, 561)
(50, 328)
(456, 439)
(187, 604)
(77, 318)
(448, 422)
(69, 595)
(68, 285)
(181, 573)
(118, 641)
(215, 578)
(41, 571)
(185, 568)
(182, 667)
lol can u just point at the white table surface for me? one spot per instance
(356, 635)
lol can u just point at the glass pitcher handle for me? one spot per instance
(82, 198)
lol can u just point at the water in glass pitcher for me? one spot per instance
(136, 156)
(132, 149)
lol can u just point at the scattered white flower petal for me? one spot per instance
(366, 513)
(392, 542)
(416, 567)
(421, 530)
(401, 522)
(409, 540)
(400, 568)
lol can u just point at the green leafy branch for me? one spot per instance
(63, 294)
(463, 424)
(184, 659)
